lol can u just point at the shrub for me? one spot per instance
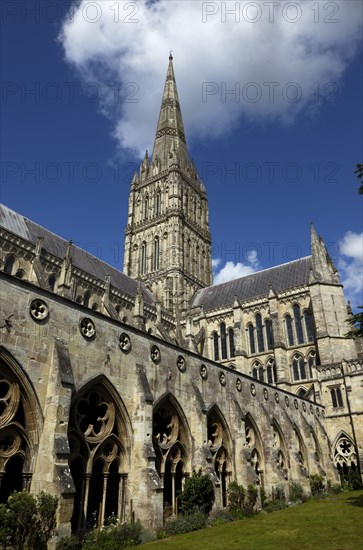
(296, 492)
(354, 480)
(316, 484)
(274, 505)
(334, 488)
(236, 496)
(28, 521)
(279, 493)
(114, 537)
(69, 543)
(219, 517)
(186, 523)
(198, 494)
(251, 500)
(263, 497)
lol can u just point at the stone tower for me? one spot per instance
(167, 241)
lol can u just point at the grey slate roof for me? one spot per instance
(282, 277)
(29, 231)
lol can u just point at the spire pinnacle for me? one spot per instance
(170, 129)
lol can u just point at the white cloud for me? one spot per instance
(231, 270)
(216, 262)
(351, 266)
(113, 43)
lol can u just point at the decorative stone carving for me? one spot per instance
(239, 384)
(87, 328)
(253, 390)
(222, 379)
(181, 364)
(265, 394)
(203, 372)
(39, 310)
(155, 354)
(125, 342)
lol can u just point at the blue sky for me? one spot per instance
(272, 108)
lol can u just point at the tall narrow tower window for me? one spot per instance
(146, 208)
(156, 259)
(251, 337)
(216, 346)
(223, 341)
(232, 351)
(260, 343)
(309, 326)
(158, 204)
(298, 324)
(269, 336)
(289, 331)
(143, 259)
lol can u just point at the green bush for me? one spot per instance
(296, 492)
(198, 494)
(236, 496)
(26, 521)
(354, 480)
(316, 484)
(69, 543)
(333, 488)
(251, 499)
(186, 523)
(219, 517)
(274, 505)
(263, 497)
(114, 537)
(279, 493)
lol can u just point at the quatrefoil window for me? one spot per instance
(39, 310)
(155, 354)
(87, 328)
(95, 417)
(180, 363)
(203, 372)
(125, 342)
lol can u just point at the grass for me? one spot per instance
(331, 523)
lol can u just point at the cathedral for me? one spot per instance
(115, 386)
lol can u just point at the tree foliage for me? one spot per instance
(198, 494)
(356, 321)
(359, 173)
(27, 521)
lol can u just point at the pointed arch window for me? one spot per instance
(156, 259)
(251, 337)
(216, 346)
(86, 298)
(309, 327)
(258, 371)
(298, 368)
(260, 342)
(146, 207)
(158, 203)
(9, 264)
(311, 362)
(271, 371)
(143, 258)
(298, 324)
(289, 330)
(336, 397)
(223, 341)
(232, 351)
(51, 282)
(269, 335)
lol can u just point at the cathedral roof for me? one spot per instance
(56, 246)
(170, 135)
(280, 278)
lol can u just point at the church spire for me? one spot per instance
(170, 137)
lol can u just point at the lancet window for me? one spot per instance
(171, 444)
(98, 441)
(218, 443)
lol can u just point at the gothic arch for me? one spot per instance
(99, 435)
(301, 455)
(172, 444)
(20, 423)
(280, 451)
(220, 446)
(344, 454)
(318, 454)
(255, 447)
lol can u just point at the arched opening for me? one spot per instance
(9, 264)
(219, 445)
(99, 442)
(254, 446)
(171, 439)
(18, 427)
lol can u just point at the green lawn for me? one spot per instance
(332, 523)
